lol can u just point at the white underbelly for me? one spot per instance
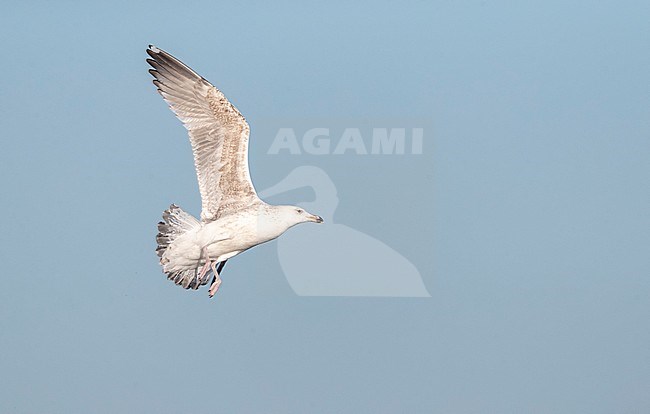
(186, 253)
(220, 240)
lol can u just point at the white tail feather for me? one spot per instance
(175, 223)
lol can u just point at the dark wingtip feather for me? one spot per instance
(152, 53)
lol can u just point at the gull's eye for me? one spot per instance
(300, 211)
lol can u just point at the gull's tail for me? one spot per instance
(175, 223)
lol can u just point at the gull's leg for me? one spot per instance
(216, 280)
(206, 266)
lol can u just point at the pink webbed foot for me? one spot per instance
(214, 287)
(216, 281)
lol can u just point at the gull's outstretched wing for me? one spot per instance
(218, 134)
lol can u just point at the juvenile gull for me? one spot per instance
(233, 218)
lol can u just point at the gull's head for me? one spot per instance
(296, 215)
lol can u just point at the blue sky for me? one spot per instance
(526, 214)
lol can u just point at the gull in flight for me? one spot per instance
(233, 218)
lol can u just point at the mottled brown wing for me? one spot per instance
(218, 134)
